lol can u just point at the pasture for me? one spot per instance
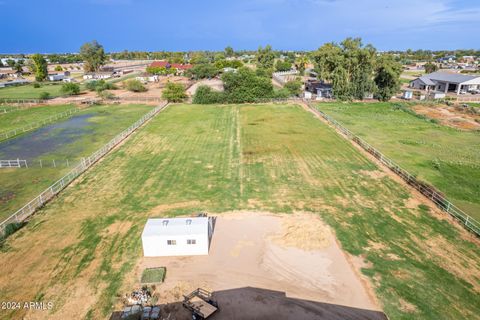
(83, 249)
(447, 158)
(70, 139)
(19, 118)
(29, 92)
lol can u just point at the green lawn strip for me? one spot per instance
(447, 158)
(258, 157)
(29, 92)
(18, 186)
(153, 275)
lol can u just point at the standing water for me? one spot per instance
(47, 139)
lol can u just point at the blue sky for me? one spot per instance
(63, 25)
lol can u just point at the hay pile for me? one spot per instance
(304, 231)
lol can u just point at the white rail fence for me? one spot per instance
(35, 125)
(20, 102)
(27, 210)
(428, 191)
(13, 163)
(41, 163)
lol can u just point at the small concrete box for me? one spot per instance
(176, 237)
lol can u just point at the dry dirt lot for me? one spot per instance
(452, 116)
(215, 84)
(266, 266)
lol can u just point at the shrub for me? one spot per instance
(36, 85)
(294, 87)
(206, 95)
(282, 94)
(135, 86)
(106, 95)
(246, 86)
(281, 65)
(58, 68)
(100, 85)
(70, 89)
(202, 71)
(174, 92)
(44, 95)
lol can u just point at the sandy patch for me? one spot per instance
(260, 252)
(452, 116)
(215, 84)
(304, 231)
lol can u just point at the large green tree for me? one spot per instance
(174, 92)
(301, 63)
(265, 57)
(39, 65)
(387, 78)
(229, 52)
(93, 55)
(350, 66)
(430, 67)
(246, 86)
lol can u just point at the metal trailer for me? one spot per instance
(200, 303)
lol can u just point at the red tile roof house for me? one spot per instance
(165, 64)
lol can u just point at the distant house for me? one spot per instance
(58, 76)
(181, 68)
(146, 77)
(447, 82)
(319, 88)
(8, 73)
(447, 59)
(98, 75)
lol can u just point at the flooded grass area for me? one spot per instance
(69, 139)
(46, 140)
(15, 118)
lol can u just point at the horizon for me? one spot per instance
(287, 25)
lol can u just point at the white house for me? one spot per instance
(145, 77)
(98, 75)
(177, 236)
(447, 82)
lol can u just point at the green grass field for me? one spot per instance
(18, 186)
(278, 158)
(22, 117)
(447, 158)
(29, 92)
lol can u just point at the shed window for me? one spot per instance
(171, 242)
(191, 241)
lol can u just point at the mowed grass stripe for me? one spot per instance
(422, 267)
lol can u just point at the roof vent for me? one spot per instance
(165, 223)
(188, 222)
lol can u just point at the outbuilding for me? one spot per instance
(177, 236)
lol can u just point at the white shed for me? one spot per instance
(176, 237)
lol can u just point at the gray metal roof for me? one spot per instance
(449, 77)
(426, 81)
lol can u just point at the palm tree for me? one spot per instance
(301, 63)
